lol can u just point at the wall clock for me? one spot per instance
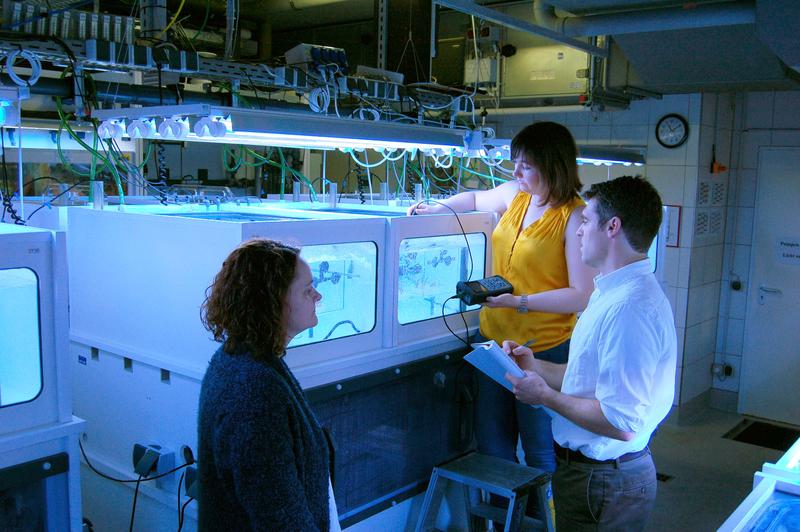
(672, 130)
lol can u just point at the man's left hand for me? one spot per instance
(530, 389)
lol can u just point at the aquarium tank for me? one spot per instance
(346, 275)
(428, 270)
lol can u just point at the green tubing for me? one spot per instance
(283, 171)
(205, 20)
(492, 178)
(237, 159)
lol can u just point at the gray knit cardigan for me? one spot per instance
(263, 459)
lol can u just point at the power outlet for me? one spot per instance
(190, 482)
(721, 370)
(187, 454)
(152, 460)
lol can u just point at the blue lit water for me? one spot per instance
(781, 515)
(20, 358)
(390, 214)
(231, 216)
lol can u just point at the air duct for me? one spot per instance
(690, 16)
(778, 24)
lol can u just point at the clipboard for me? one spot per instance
(494, 362)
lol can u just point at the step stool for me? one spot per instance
(496, 476)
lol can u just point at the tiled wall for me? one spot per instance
(763, 119)
(693, 270)
(707, 206)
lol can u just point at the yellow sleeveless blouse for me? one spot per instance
(533, 261)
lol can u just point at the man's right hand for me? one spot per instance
(531, 389)
(522, 355)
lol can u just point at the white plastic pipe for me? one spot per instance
(646, 20)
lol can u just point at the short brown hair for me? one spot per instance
(552, 149)
(635, 202)
(244, 306)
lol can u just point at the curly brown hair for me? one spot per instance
(552, 149)
(244, 306)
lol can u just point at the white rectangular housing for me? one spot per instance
(33, 329)
(139, 277)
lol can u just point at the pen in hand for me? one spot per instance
(526, 344)
(521, 360)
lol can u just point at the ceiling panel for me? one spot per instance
(717, 58)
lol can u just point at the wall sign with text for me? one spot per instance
(788, 250)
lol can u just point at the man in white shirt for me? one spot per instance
(618, 384)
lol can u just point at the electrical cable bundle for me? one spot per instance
(161, 162)
(319, 99)
(362, 177)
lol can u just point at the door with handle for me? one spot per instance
(770, 375)
(764, 291)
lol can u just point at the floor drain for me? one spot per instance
(763, 434)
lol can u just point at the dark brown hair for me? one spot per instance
(244, 306)
(635, 202)
(551, 148)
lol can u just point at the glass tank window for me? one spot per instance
(20, 352)
(652, 254)
(429, 269)
(347, 277)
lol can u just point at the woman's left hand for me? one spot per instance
(503, 300)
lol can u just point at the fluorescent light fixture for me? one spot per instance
(228, 125)
(607, 156)
(500, 149)
(39, 138)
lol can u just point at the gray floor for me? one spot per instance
(711, 475)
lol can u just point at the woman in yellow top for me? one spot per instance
(535, 248)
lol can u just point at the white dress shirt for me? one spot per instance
(623, 353)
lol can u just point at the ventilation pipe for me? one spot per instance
(689, 16)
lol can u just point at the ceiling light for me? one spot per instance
(608, 155)
(286, 129)
(500, 149)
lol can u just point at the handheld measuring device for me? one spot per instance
(476, 292)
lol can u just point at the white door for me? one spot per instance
(770, 378)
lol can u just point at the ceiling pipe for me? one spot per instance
(528, 110)
(690, 16)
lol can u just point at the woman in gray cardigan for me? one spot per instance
(263, 457)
